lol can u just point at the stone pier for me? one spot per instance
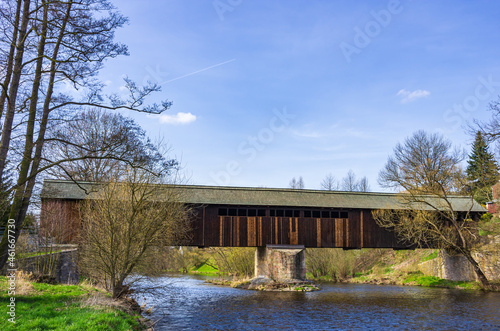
(281, 263)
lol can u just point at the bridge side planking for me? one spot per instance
(209, 229)
(358, 230)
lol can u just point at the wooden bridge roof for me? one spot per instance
(246, 196)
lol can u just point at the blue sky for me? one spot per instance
(264, 91)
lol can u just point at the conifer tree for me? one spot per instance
(482, 170)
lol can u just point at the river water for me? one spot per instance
(188, 303)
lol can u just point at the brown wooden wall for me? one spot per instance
(60, 219)
(359, 230)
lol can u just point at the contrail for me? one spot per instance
(195, 72)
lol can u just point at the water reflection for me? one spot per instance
(187, 303)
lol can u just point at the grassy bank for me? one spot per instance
(40, 306)
(401, 268)
(389, 268)
(415, 278)
(370, 266)
(204, 269)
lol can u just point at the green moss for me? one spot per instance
(25, 255)
(429, 257)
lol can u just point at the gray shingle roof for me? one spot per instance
(246, 196)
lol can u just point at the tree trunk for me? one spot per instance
(9, 119)
(10, 61)
(120, 290)
(21, 191)
(14, 87)
(26, 184)
(479, 273)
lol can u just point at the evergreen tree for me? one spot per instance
(482, 170)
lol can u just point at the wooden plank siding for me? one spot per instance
(249, 217)
(359, 230)
(60, 219)
(209, 229)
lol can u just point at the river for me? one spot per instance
(188, 303)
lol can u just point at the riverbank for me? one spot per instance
(402, 268)
(415, 278)
(40, 306)
(187, 302)
(378, 267)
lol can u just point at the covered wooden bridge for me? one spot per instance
(256, 217)
(281, 223)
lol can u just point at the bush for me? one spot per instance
(235, 261)
(489, 225)
(332, 263)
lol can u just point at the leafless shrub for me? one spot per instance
(125, 223)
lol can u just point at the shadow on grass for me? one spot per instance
(60, 311)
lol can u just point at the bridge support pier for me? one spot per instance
(281, 263)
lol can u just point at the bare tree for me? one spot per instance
(124, 222)
(330, 183)
(427, 171)
(335, 263)
(234, 261)
(300, 184)
(50, 47)
(363, 185)
(102, 145)
(297, 184)
(491, 129)
(349, 182)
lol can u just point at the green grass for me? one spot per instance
(58, 307)
(429, 257)
(432, 281)
(325, 278)
(322, 278)
(25, 255)
(205, 269)
(361, 274)
(362, 278)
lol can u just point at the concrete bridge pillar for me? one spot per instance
(281, 263)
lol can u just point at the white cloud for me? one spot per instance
(409, 96)
(179, 118)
